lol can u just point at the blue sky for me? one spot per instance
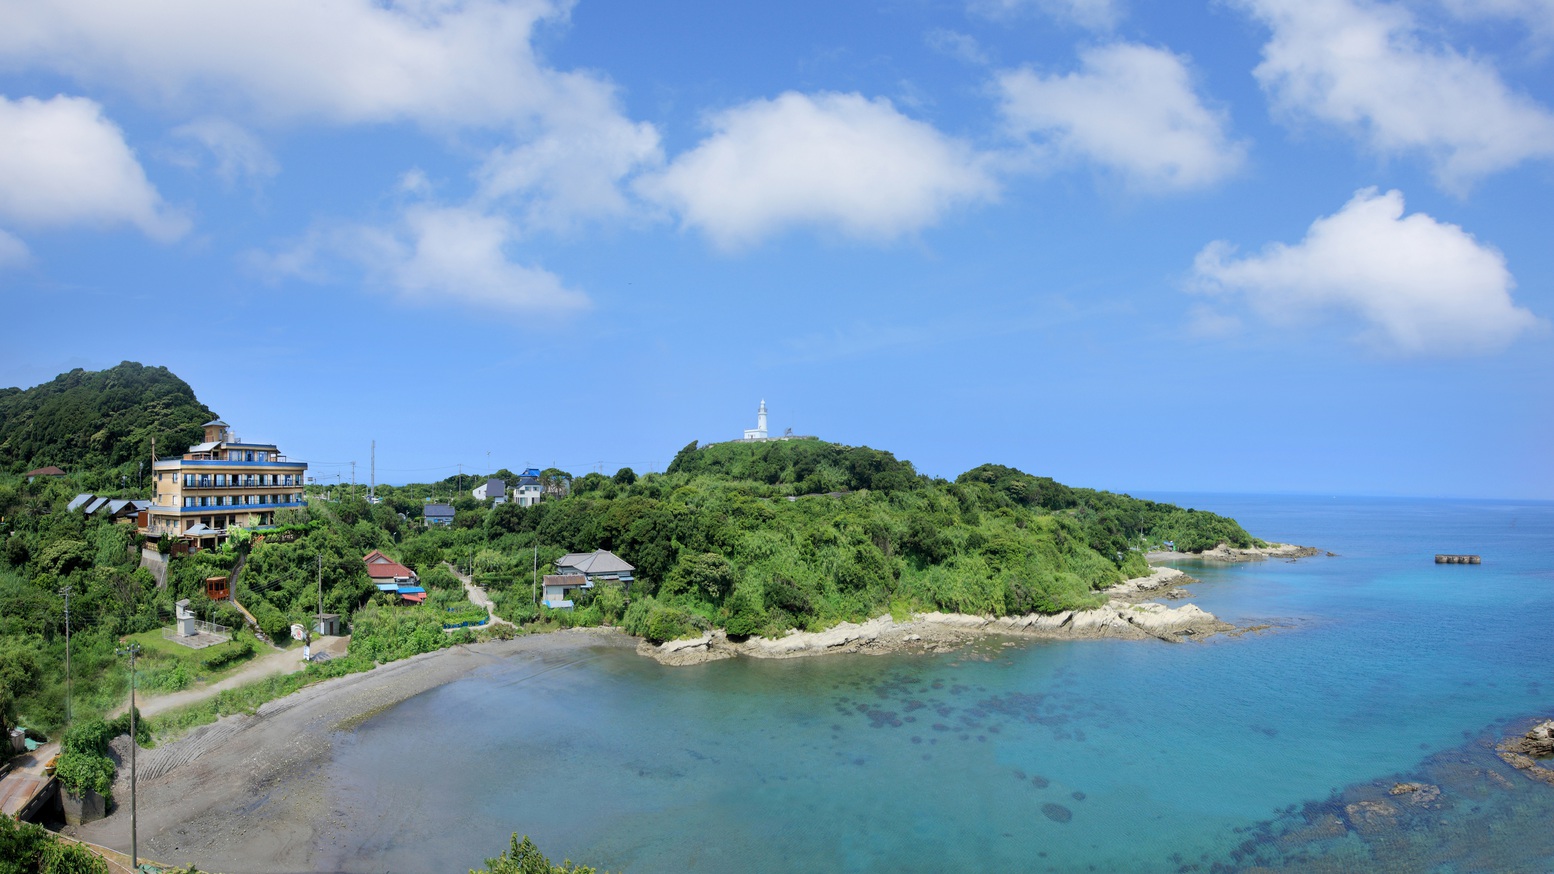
(1241, 245)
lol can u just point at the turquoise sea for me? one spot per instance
(1272, 750)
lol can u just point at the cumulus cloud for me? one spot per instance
(342, 60)
(433, 254)
(62, 162)
(439, 64)
(1131, 109)
(235, 154)
(1418, 286)
(574, 169)
(1367, 69)
(836, 161)
(1092, 14)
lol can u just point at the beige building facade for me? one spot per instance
(221, 484)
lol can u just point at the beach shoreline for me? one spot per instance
(240, 794)
(243, 794)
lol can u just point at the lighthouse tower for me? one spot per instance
(759, 431)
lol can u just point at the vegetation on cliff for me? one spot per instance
(99, 424)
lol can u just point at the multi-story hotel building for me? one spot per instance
(220, 484)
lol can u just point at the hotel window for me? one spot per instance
(221, 479)
(204, 480)
(188, 502)
(204, 502)
(250, 455)
(188, 479)
(264, 499)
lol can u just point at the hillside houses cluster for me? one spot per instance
(526, 492)
(100, 506)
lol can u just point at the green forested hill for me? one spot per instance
(98, 421)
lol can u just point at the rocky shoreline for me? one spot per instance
(1128, 615)
(1226, 553)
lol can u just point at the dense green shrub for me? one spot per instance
(78, 772)
(26, 848)
(525, 858)
(230, 655)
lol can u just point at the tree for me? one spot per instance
(704, 574)
(625, 477)
(19, 676)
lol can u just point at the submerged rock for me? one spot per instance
(1057, 812)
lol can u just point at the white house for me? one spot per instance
(493, 490)
(597, 566)
(528, 490)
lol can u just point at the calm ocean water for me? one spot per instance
(1273, 749)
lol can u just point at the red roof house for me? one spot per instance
(380, 567)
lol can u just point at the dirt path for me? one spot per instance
(270, 662)
(479, 597)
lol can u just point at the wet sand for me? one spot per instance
(245, 794)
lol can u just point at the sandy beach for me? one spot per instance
(243, 794)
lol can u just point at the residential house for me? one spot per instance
(597, 566)
(51, 470)
(220, 484)
(80, 501)
(438, 514)
(393, 578)
(528, 491)
(558, 589)
(493, 490)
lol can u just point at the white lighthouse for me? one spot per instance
(759, 431)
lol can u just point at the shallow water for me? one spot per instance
(1099, 755)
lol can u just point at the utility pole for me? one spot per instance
(69, 684)
(353, 480)
(320, 593)
(461, 479)
(133, 650)
(535, 589)
(372, 490)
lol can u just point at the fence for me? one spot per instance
(204, 633)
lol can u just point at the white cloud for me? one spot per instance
(1366, 69)
(341, 60)
(574, 169)
(1417, 285)
(1092, 14)
(63, 163)
(433, 254)
(13, 252)
(837, 161)
(1131, 109)
(237, 154)
(440, 64)
(1537, 15)
(953, 44)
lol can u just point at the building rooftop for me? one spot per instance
(50, 470)
(597, 562)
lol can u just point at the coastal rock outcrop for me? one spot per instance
(938, 631)
(1523, 753)
(1226, 552)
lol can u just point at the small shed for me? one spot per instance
(186, 620)
(328, 624)
(217, 588)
